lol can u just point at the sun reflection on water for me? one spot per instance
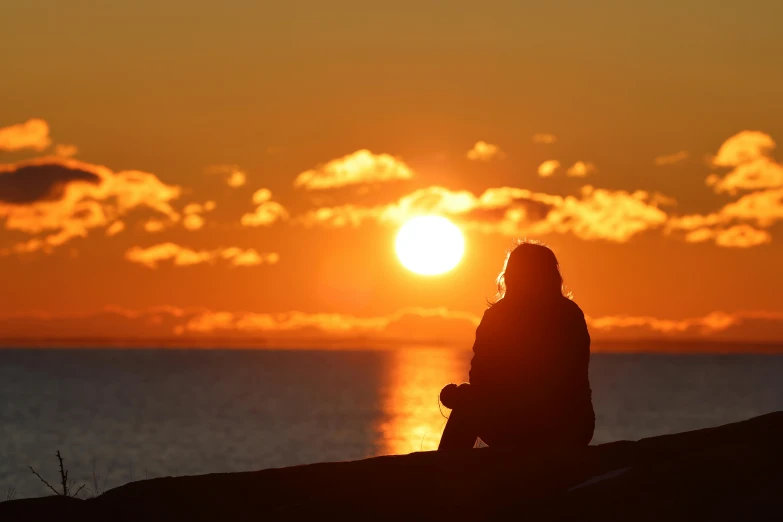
(412, 421)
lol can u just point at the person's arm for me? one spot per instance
(578, 354)
(582, 341)
(480, 370)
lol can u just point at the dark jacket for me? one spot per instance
(529, 372)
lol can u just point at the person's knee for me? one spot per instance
(453, 396)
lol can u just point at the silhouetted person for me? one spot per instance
(528, 376)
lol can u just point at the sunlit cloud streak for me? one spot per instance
(749, 156)
(360, 167)
(764, 207)
(32, 134)
(193, 219)
(672, 159)
(408, 324)
(267, 212)
(233, 176)
(183, 256)
(548, 168)
(325, 323)
(742, 236)
(75, 197)
(193, 222)
(193, 323)
(65, 150)
(198, 208)
(732, 225)
(483, 151)
(740, 223)
(544, 138)
(759, 326)
(115, 228)
(580, 169)
(737, 236)
(710, 323)
(154, 225)
(612, 215)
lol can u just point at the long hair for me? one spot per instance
(530, 268)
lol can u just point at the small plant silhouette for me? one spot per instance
(98, 487)
(66, 485)
(10, 493)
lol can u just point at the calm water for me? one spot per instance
(137, 414)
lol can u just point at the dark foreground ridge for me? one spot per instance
(732, 472)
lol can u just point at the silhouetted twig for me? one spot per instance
(10, 493)
(67, 487)
(63, 475)
(98, 488)
(44, 481)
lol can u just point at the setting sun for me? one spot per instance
(430, 245)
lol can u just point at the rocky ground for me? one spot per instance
(732, 472)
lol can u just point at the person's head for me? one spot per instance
(531, 270)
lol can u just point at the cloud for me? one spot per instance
(262, 196)
(233, 176)
(483, 151)
(193, 218)
(154, 225)
(165, 325)
(66, 198)
(356, 168)
(763, 208)
(115, 228)
(32, 134)
(249, 257)
(737, 236)
(612, 215)
(749, 156)
(743, 326)
(672, 159)
(236, 179)
(743, 147)
(151, 256)
(438, 324)
(710, 323)
(183, 256)
(595, 214)
(430, 200)
(267, 212)
(198, 208)
(193, 214)
(742, 236)
(193, 222)
(30, 183)
(65, 150)
(548, 168)
(580, 169)
(544, 138)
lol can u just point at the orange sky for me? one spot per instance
(239, 170)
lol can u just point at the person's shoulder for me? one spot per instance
(497, 310)
(493, 309)
(572, 308)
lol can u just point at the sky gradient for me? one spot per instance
(239, 170)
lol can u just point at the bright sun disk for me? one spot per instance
(430, 245)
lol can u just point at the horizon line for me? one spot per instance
(615, 345)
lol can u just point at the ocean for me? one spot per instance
(133, 414)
